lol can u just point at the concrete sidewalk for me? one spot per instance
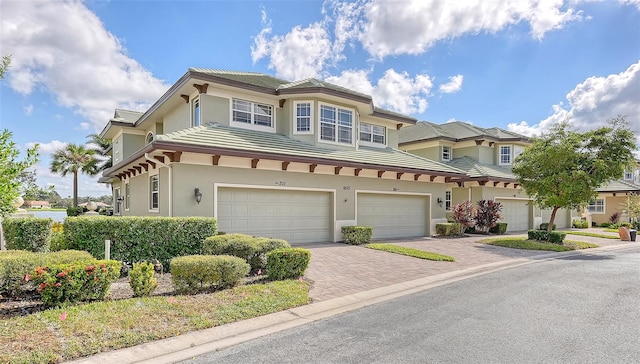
(345, 278)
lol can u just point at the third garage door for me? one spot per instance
(516, 213)
(393, 215)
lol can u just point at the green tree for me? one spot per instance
(101, 146)
(74, 159)
(4, 65)
(563, 168)
(10, 170)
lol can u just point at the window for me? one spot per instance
(251, 113)
(628, 175)
(447, 200)
(336, 124)
(149, 138)
(597, 206)
(303, 117)
(154, 189)
(127, 195)
(118, 201)
(372, 133)
(446, 154)
(195, 116)
(505, 154)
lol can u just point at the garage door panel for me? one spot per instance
(296, 216)
(516, 213)
(393, 215)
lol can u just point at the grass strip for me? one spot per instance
(96, 327)
(411, 252)
(523, 243)
(595, 235)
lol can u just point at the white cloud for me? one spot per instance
(48, 148)
(74, 58)
(28, 110)
(396, 91)
(593, 102)
(85, 126)
(454, 84)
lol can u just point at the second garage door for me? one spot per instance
(562, 217)
(516, 213)
(292, 215)
(393, 215)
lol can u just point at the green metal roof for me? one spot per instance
(619, 186)
(256, 142)
(251, 78)
(127, 116)
(456, 130)
(474, 169)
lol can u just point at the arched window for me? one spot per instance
(149, 138)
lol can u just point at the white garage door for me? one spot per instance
(561, 220)
(516, 214)
(295, 216)
(393, 216)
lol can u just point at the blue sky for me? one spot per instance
(520, 65)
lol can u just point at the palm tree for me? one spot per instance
(74, 158)
(101, 146)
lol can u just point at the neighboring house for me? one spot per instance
(269, 157)
(613, 198)
(486, 155)
(37, 204)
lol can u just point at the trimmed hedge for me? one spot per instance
(16, 264)
(356, 235)
(250, 248)
(287, 263)
(500, 228)
(545, 226)
(142, 280)
(76, 282)
(28, 233)
(138, 239)
(206, 273)
(449, 229)
(580, 224)
(555, 237)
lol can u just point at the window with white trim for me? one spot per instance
(195, 112)
(597, 206)
(505, 154)
(154, 192)
(628, 175)
(252, 113)
(375, 134)
(336, 124)
(303, 116)
(447, 200)
(446, 153)
(118, 201)
(149, 138)
(127, 195)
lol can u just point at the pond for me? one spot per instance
(55, 215)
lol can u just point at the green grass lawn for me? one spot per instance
(88, 329)
(391, 248)
(595, 235)
(523, 243)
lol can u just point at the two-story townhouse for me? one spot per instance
(486, 155)
(613, 198)
(269, 157)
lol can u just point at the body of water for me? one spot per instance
(55, 215)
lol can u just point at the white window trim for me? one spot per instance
(150, 194)
(604, 207)
(628, 175)
(193, 114)
(146, 139)
(447, 200)
(295, 117)
(353, 125)
(500, 162)
(371, 143)
(450, 153)
(252, 126)
(127, 196)
(116, 195)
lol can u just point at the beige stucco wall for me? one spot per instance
(612, 204)
(178, 119)
(433, 153)
(472, 152)
(214, 110)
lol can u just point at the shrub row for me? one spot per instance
(449, 229)
(206, 273)
(500, 228)
(28, 233)
(580, 224)
(545, 226)
(16, 264)
(75, 282)
(287, 263)
(250, 248)
(554, 237)
(137, 239)
(356, 235)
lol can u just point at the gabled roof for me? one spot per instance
(250, 78)
(620, 186)
(214, 139)
(477, 170)
(127, 116)
(454, 131)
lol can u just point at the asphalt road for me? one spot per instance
(580, 309)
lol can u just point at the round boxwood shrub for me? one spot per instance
(287, 263)
(252, 249)
(142, 279)
(206, 273)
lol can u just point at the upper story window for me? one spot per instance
(505, 154)
(597, 206)
(303, 117)
(336, 124)
(628, 175)
(149, 138)
(154, 193)
(446, 153)
(195, 112)
(375, 134)
(252, 114)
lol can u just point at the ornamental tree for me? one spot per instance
(563, 168)
(464, 214)
(487, 214)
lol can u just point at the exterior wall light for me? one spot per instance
(197, 194)
(440, 201)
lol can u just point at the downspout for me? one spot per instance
(148, 157)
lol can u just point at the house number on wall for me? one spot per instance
(281, 183)
(396, 189)
(346, 188)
